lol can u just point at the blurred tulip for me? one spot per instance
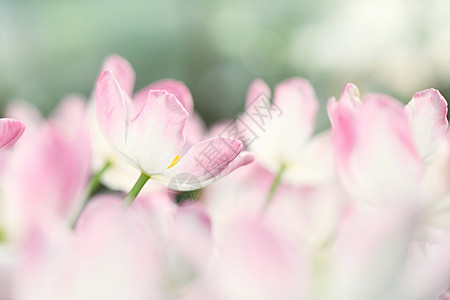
(286, 141)
(48, 172)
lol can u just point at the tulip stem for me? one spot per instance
(135, 190)
(95, 180)
(275, 184)
(92, 187)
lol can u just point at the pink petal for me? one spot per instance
(122, 71)
(195, 129)
(369, 252)
(55, 174)
(114, 257)
(155, 136)
(244, 158)
(103, 205)
(257, 263)
(315, 164)
(112, 106)
(174, 87)
(349, 97)
(70, 115)
(257, 89)
(375, 152)
(331, 108)
(427, 112)
(296, 97)
(10, 131)
(205, 161)
(427, 270)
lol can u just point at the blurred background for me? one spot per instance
(50, 48)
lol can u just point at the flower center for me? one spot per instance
(174, 162)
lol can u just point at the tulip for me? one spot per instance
(286, 143)
(151, 138)
(113, 171)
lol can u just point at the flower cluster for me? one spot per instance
(95, 200)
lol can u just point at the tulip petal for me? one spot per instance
(350, 97)
(203, 162)
(258, 263)
(287, 125)
(427, 112)
(112, 106)
(369, 252)
(174, 87)
(10, 131)
(122, 71)
(257, 89)
(244, 158)
(314, 164)
(155, 136)
(296, 96)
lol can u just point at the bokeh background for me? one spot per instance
(50, 48)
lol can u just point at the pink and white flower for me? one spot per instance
(287, 139)
(149, 135)
(381, 147)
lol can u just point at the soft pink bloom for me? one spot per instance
(150, 134)
(381, 147)
(389, 153)
(121, 175)
(48, 171)
(375, 152)
(284, 131)
(110, 256)
(10, 131)
(173, 244)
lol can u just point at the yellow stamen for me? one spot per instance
(174, 162)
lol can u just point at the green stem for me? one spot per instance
(92, 187)
(275, 184)
(95, 180)
(135, 190)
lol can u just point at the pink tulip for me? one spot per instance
(49, 171)
(375, 151)
(389, 153)
(109, 256)
(280, 134)
(120, 175)
(150, 136)
(175, 240)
